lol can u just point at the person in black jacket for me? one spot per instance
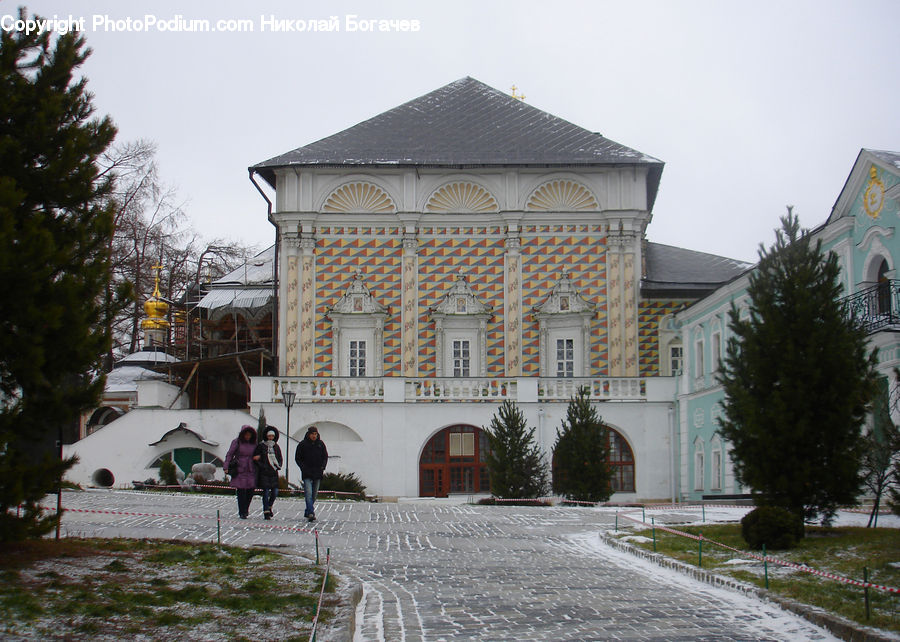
(312, 457)
(269, 461)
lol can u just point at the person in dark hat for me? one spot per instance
(241, 469)
(312, 457)
(268, 462)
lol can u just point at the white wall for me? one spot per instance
(382, 442)
(123, 446)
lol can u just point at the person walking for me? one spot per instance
(240, 466)
(268, 462)
(312, 457)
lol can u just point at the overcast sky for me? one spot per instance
(751, 105)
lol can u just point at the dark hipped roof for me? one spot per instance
(465, 124)
(677, 272)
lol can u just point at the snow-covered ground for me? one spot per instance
(770, 619)
(784, 625)
(713, 514)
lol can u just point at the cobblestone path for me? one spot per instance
(434, 570)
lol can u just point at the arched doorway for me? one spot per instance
(453, 461)
(621, 463)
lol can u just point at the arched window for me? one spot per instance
(453, 461)
(621, 461)
(102, 417)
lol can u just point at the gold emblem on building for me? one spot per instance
(873, 198)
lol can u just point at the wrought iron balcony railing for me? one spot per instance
(875, 308)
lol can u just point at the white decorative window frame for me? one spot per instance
(357, 317)
(699, 465)
(669, 336)
(670, 364)
(699, 359)
(460, 315)
(450, 328)
(564, 314)
(716, 465)
(576, 327)
(715, 350)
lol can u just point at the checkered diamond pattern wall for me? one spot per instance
(546, 253)
(545, 258)
(479, 256)
(377, 256)
(650, 313)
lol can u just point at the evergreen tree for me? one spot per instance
(798, 378)
(581, 468)
(894, 490)
(881, 447)
(516, 467)
(54, 238)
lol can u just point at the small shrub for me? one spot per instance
(775, 527)
(167, 473)
(343, 483)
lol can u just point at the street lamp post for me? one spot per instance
(287, 398)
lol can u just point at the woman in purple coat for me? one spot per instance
(239, 464)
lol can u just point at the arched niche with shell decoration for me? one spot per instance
(359, 197)
(561, 195)
(461, 197)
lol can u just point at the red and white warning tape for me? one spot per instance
(173, 516)
(773, 560)
(281, 491)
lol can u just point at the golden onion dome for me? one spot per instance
(156, 310)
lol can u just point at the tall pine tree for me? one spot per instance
(581, 468)
(54, 235)
(515, 464)
(798, 379)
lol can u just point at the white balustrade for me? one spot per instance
(446, 389)
(599, 389)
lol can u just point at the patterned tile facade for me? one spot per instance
(376, 254)
(478, 254)
(548, 253)
(650, 313)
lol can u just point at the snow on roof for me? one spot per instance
(184, 428)
(125, 378)
(257, 271)
(146, 357)
(238, 298)
(247, 287)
